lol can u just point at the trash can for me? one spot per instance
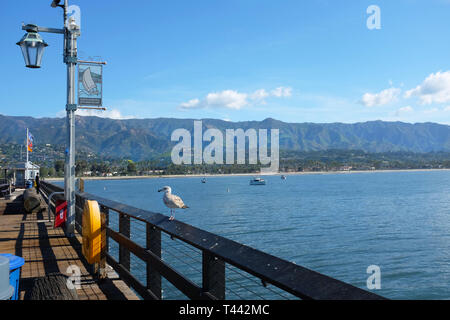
(28, 184)
(6, 290)
(15, 265)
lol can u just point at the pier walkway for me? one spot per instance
(47, 250)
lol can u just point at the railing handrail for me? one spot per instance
(290, 277)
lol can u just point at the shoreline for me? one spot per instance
(250, 174)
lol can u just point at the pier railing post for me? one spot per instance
(79, 207)
(213, 275)
(153, 245)
(104, 212)
(124, 229)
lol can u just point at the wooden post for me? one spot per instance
(104, 212)
(79, 207)
(154, 246)
(124, 229)
(213, 275)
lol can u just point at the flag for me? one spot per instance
(60, 213)
(30, 139)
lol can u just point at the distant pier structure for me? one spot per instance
(21, 172)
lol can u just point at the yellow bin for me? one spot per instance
(92, 239)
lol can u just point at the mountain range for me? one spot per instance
(140, 139)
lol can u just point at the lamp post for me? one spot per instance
(33, 46)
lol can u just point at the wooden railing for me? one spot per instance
(217, 255)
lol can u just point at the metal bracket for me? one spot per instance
(42, 29)
(92, 62)
(71, 107)
(70, 59)
(93, 108)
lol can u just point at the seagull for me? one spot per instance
(172, 201)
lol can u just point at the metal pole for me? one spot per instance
(26, 144)
(70, 57)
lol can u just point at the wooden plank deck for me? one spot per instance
(47, 250)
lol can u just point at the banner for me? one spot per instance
(90, 84)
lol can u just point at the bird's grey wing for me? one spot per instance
(177, 201)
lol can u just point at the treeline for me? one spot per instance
(359, 160)
(330, 160)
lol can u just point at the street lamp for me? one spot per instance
(32, 46)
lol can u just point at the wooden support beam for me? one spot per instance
(124, 229)
(104, 214)
(213, 275)
(154, 246)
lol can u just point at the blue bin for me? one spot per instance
(28, 184)
(15, 265)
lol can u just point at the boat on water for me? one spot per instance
(283, 177)
(204, 180)
(257, 182)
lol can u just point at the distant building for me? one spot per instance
(23, 172)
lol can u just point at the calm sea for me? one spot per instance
(336, 224)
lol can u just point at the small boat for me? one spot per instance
(257, 182)
(283, 177)
(204, 180)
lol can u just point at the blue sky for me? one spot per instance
(296, 61)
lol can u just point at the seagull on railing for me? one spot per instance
(172, 201)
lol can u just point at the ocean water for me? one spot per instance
(336, 224)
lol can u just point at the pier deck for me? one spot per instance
(47, 250)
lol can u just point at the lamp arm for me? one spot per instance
(45, 29)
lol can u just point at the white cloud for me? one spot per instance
(282, 92)
(403, 110)
(112, 114)
(191, 104)
(229, 99)
(435, 88)
(378, 99)
(259, 95)
(232, 99)
(447, 108)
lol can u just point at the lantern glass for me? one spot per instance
(32, 47)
